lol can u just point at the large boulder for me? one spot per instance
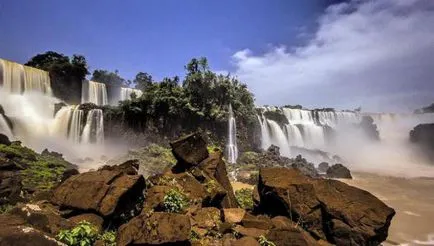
(215, 167)
(155, 229)
(423, 136)
(189, 151)
(105, 192)
(339, 171)
(304, 166)
(4, 140)
(323, 166)
(327, 209)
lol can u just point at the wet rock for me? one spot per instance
(68, 173)
(327, 209)
(129, 167)
(104, 192)
(155, 229)
(246, 241)
(189, 151)
(4, 140)
(423, 136)
(323, 166)
(339, 171)
(304, 167)
(273, 149)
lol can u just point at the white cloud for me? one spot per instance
(378, 54)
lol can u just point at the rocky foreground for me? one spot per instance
(193, 203)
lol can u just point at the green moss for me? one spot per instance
(175, 201)
(16, 150)
(245, 198)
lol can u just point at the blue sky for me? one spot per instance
(158, 37)
(318, 53)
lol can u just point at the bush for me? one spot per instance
(263, 241)
(175, 201)
(109, 238)
(84, 234)
(245, 198)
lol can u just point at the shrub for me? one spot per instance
(109, 238)
(263, 241)
(84, 234)
(245, 198)
(175, 201)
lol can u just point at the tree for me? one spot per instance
(143, 81)
(108, 78)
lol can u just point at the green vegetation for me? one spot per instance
(108, 78)
(263, 241)
(85, 234)
(175, 201)
(245, 198)
(4, 208)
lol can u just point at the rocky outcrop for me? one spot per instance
(155, 229)
(323, 166)
(369, 128)
(104, 191)
(339, 171)
(328, 209)
(189, 151)
(423, 136)
(4, 140)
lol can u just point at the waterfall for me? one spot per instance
(294, 135)
(265, 135)
(278, 137)
(127, 92)
(61, 121)
(232, 137)
(76, 124)
(4, 127)
(93, 131)
(94, 92)
(18, 79)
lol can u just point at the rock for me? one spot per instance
(10, 187)
(423, 136)
(129, 167)
(274, 150)
(105, 192)
(215, 167)
(338, 171)
(25, 236)
(259, 221)
(155, 229)
(249, 232)
(189, 151)
(327, 209)
(369, 128)
(304, 167)
(94, 219)
(290, 237)
(323, 166)
(246, 241)
(206, 218)
(233, 215)
(4, 140)
(68, 173)
(42, 216)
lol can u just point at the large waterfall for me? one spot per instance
(94, 92)
(125, 93)
(27, 101)
(232, 137)
(304, 128)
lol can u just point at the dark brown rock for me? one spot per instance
(129, 167)
(250, 232)
(215, 167)
(68, 173)
(259, 221)
(207, 218)
(245, 241)
(338, 171)
(4, 140)
(10, 187)
(101, 191)
(189, 151)
(327, 209)
(155, 229)
(323, 166)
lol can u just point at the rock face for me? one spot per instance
(327, 209)
(4, 140)
(423, 135)
(102, 191)
(189, 150)
(339, 171)
(323, 166)
(157, 229)
(369, 128)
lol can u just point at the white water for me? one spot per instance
(94, 92)
(93, 131)
(232, 137)
(25, 95)
(265, 133)
(278, 138)
(125, 93)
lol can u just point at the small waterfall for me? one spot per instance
(278, 137)
(265, 134)
(94, 92)
(4, 127)
(61, 121)
(127, 92)
(76, 124)
(294, 135)
(93, 131)
(232, 137)
(17, 78)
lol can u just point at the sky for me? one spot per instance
(318, 53)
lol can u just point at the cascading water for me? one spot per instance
(27, 101)
(265, 133)
(232, 137)
(278, 137)
(94, 92)
(125, 93)
(93, 131)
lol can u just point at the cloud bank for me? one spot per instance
(374, 54)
